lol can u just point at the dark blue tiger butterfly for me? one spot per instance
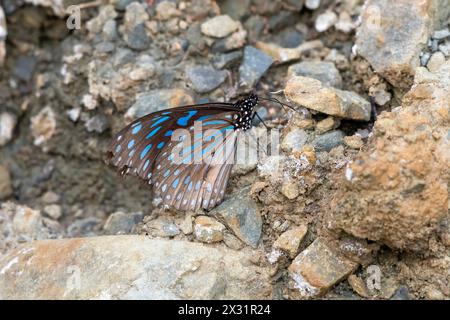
(146, 147)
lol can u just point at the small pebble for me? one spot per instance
(354, 141)
(325, 21)
(137, 38)
(253, 67)
(53, 211)
(5, 183)
(326, 125)
(50, 197)
(7, 124)
(207, 229)
(226, 60)
(441, 34)
(98, 123)
(290, 190)
(290, 240)
(219, 26)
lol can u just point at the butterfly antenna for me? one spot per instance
(260, 119)
(279, 102)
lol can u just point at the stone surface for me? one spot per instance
(208, 230)
(7, 124)
(226, 60)
(436, 61)
(324, 71)
(378, 38)
(317, 268)
(329, 140)
(155, 100)
(253, 67)
(166, 10)
(5, 183)
(290, 190)
(219, 26)
(129, 267)
(241, 215)
(401, 181)
(354, 141)
(313, 94)
(205, 78)
(289, 241)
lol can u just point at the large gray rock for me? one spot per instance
(129, 267)
(393, 33)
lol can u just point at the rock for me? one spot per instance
(162, 227)
(121, 5)
(436, 61)
(242, 216)
(312, 94)
(205, 78)
(282, 55)
(186, 225)
(317, 268)
(50, 197)
(253, 67)
(54, 211)
(345, 23)
(400, 181)
(106, 13)
(7, 124)
(166, 10)
(324, 71)
(354, 141)
(247, 151)
(219, 26)
(89, 101)
(74, 114)
(156, 100)
(290, 190)
(402, 293)
(328, 141)
(380, 94)
(5, 183)
(137, 38)
(289, 241)
(358, 286)
(232, 241)
(98, 123)
(294, 140)
(325, 21)
(43, 125)
(130, 267)
(312, 4)
(234, 41)
(84, 227)
(445, 48)
(208, 230)
(327, 124)
(424, 58)
(378, 41)
(135, 14)
(24, 67)
(289, 38)
(121, 223)
(227, 60)
(441, 34)
(28, 222)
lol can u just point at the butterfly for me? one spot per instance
(185, 153)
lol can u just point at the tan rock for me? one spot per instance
(219, 26)
(130, 267)
(436, 61)
(5, 183)
(317, 268)
(312, 94)
(358, 286)
(327, 124)
(290, 190)
(354, 141)
(207, 229)
(43, 126)
(290, 240)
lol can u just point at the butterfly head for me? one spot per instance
(243, 120)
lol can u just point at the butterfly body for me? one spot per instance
(186, 153)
